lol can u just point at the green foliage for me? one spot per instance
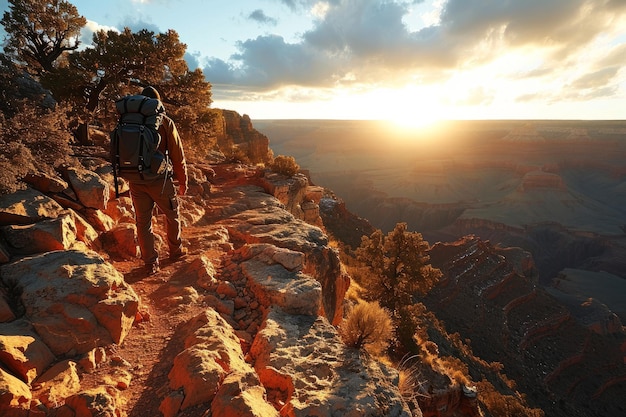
(285, 165)
(39, 32)
(399, 272)
(367, 326)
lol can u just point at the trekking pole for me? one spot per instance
(167, 171)
(117, 188)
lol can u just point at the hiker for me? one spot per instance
(162, 192)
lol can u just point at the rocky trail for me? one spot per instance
(242, 326)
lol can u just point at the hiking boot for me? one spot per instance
(152, 268)
(180, 254)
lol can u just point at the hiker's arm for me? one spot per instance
(177, 154)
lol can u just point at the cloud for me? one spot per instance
(136, 24)
(368, 42)
(259, 16)
(86, 34)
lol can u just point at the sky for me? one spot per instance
(413, 61)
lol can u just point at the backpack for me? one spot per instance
(135, 140)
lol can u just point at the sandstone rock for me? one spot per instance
(171, 404)
(93, 403)
(22, 351)
(14, 395)
(212, 351)
(307, 369)
(120, 210)
(75, 300)
(90, 189)
(203, 271)
(27, 206)
(45, 236)
(121, 242)
(198, 372)
(314, 193)
(270, 254)
(290, 192)
(225, 307)
(190, 212)
(57, 383)
(242, 396)
(271, 225)
(227, 289)
(294, 292)
(100, 220)
(45, 183)
(84, 230)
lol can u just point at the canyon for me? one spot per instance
(480, 191)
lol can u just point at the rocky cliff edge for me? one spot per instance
(243, 326)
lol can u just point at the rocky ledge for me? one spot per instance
(244, 326)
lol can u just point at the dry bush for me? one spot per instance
(285, 165)
(411, 383)
(368, 326)
(34, 140)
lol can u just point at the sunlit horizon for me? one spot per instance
(410, 62)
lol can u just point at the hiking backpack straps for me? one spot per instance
(135, 140)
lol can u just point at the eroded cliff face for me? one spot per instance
(244, 326)
(238, 130)
(552, 343)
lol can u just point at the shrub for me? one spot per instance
(237, 154)
(285, 165)
(368, 326)
(33, 141)
(411, 382)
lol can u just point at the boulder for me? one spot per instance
(242, 395)
(121, 242)
(74, 300)
(294, 292)
(212, 353)
(15, 395)
(26, 207)
(45, 183)
(274, 226)
(57, 383)
(84, 230)
(91, 403)
(44, 236)
(120, 210)
(22, 351)
(91, 190)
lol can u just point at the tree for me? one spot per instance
(119, 63)
(39, 32)
(400, 272)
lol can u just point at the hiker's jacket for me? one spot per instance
(171, 141)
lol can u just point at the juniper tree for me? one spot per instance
(39, 32)
(399, 274)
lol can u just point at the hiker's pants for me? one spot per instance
(145, 195)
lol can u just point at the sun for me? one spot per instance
(410, 108)
(415, 118)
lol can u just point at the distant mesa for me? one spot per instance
(524, 134)
(541, 179)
